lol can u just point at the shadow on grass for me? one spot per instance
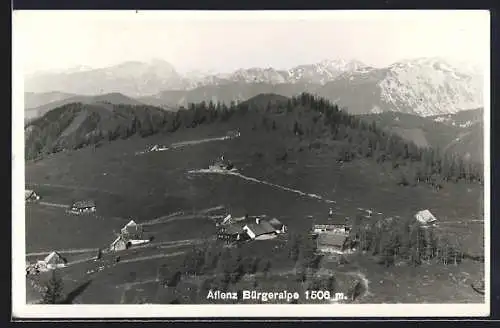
(75, 293)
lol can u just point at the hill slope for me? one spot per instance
(225, 93)
(423, 86)
(460, 133)
(461, 119)
(304, 121)
(111, 98)
(130, 78)
(295, 160)
(75, 125)
(33, 99)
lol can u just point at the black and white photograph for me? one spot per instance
(251, 163)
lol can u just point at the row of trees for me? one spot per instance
(227, 265)
(358, 138)
(313, 116)
(301, 249)
(361, 139)
(403, 239)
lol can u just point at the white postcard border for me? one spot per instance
(22, 310)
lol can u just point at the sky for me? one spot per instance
(225, 41)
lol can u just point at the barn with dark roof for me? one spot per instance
(260, 229)
(83, 206)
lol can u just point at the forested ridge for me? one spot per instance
(305, 117)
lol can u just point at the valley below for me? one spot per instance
(176, 204)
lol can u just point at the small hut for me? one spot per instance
(426, 218)
(83, 206)
(132, 230)
(277, 225)
(119, 244)
(30, 195)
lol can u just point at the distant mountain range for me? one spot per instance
(460, 133)
(424, 86)
(45, 102)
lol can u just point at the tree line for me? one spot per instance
(305, 116)
(403, 239)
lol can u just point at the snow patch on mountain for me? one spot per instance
(430, 87)
(318, 73)
(325, 71)
(422, 86)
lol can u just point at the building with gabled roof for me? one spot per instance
(83, 206)
(226, 221)
(331, 243)
(132, 230)
(250, 228)
(278, 226)
(232, 232)
(30, 195)
(425, 217)
(330, 228)
(52, 261)
(331, 224)
(119, 244)
(55, 258)
(261, 229)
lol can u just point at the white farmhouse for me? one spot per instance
(425, 217)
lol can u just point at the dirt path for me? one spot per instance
(310, 195)
(129, 285)
(362, 277)
(461, 222)
(72, 187)
(53, 204)
(150, 257)
(162, 219)
(182, 242)
(180, 215)
(186, 143)
(64, 251)
(456, 140)
(173, 218)
(80, 261)
(199, 141)
(165, 244)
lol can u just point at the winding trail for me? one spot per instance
(359, 275)
(461, 222)
(362, 277)
(181, 215)
(64, 251)
(80, 261)
(151, 257)
(72, 187)
(182, 242)
(53, 204)
(186, 143)
(236, 174)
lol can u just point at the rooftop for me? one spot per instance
(84, 204)
(275, 222)
(54, 257)
(28, 193)
(261, 228)
(425, 215)
(232, 229)
(332, 239)
(329, 221)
